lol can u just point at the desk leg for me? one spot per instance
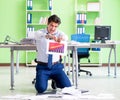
(76, 68)
(115, 62)
(109, 62)
(73, 67)
(12, 69)
(65, 64)
(115, 73)
(76, 61)
(17, 62)
(68, 62)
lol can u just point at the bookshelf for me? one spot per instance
(37, 13)
(87, 14)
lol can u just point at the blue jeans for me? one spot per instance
(43, 74)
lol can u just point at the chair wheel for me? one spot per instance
(33, 82)
(90, 74)
(67, 73)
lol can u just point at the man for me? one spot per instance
(55, 71)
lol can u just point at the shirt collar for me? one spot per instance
(46, 31)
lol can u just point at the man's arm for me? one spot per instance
(57, 39)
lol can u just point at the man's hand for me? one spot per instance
(59, 39)
(52, 37)
(48, 36)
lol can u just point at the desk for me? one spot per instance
(71, 46)
(75, 46)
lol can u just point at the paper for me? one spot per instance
(101, 96)
(75, 43)
(71, 91)
(56, 47)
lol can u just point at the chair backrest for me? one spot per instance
(81, 38)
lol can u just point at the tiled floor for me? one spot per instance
(98, 83)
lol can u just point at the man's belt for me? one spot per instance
(45, 64)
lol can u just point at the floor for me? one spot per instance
(97, 84)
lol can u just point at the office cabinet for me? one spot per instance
(37, 13)
(87, 14)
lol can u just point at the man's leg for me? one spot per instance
(41, 81)
(61, 79)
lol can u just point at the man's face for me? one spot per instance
(52, 26)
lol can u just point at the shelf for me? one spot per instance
(86, 11)
(36, 24)
(38, 10)
(86, 24)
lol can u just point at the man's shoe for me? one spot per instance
(53, 85)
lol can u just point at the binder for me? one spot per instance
(85, 19)
(29, 5)
(50, 4)
(77, 18)
(29, 18)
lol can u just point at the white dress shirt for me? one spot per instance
(41, 43)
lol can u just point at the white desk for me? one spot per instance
(75, 46)
(71, 46)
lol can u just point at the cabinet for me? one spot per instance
(87, 14)
(37, 13)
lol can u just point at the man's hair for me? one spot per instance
(54, 18)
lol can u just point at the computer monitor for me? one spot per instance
(102, 33)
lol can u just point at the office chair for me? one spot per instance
(82, 52)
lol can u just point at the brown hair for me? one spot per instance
(54, 18)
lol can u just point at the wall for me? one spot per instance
(110, 16)
(12, 22)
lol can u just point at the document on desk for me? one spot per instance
(111, 42)
(84, 44)
(75, 43)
